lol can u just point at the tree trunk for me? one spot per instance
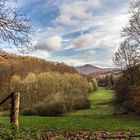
(15, 101)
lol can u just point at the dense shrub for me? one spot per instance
(91, 89)
(6, 133)
(50, 109)
(134, 92)
(109, 81)
(127, 96)
(29, 112)
(51, 93)
(82, 104)
(94, 84)
(122, 96)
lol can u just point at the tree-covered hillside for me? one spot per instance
(11, 64)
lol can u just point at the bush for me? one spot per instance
(6, 133)
(56, 105)
(29, 111)
(52, 93)
(91, 89)
(50, 109)
(134, 92)
(127, 96)
(122, 96)
(82, 104)
(94, 84)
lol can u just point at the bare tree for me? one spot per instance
(15, 28)
(132, 30)
(128, 58)
(128, 55)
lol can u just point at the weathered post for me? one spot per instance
(15, 101)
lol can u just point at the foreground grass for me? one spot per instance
(98, 118)
(72, 123)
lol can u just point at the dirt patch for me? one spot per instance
(85, 135)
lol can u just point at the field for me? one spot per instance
(98, 118)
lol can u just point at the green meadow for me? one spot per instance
(98, 118)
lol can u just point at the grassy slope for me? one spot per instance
(99, 104)
(99, 117)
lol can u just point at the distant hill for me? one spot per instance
(91, 70)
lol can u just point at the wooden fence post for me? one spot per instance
(15, 101)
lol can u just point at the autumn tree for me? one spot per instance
(15, 28)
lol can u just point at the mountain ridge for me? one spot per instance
(88, 69)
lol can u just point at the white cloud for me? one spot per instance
(109, 26)
(52, 44)
(67, 20)
(91, 53)
(68, 60)
(76, 11)
(40, 54)
(103, 64)
(55, 30)
(106, 36)
(83, 41)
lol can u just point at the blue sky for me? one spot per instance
(76, 32)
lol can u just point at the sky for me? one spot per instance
(76, 32)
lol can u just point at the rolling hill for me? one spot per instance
(91, 70)
(11, 64)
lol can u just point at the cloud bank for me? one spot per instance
(77, 31)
